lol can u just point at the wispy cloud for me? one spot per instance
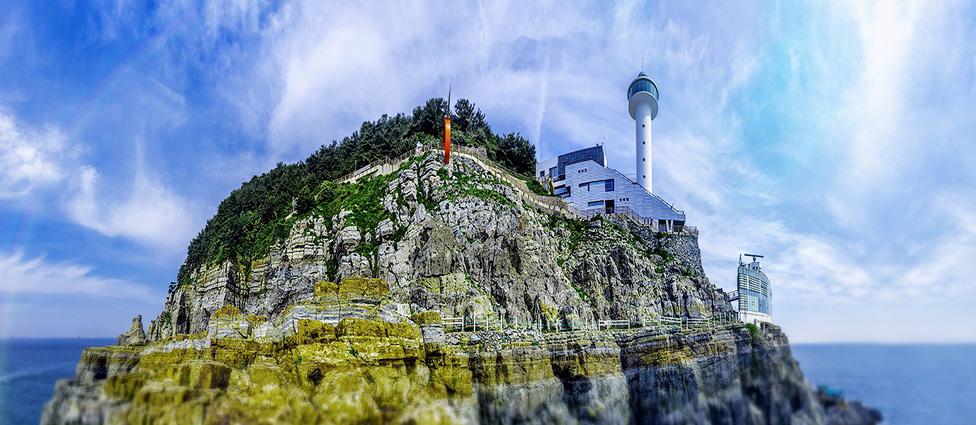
(30, 158)
(147, 212)
(40, 165)
(22, 275)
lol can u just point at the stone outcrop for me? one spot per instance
(346, 321)
(135, 336)
(463, 242)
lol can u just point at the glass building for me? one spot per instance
(755, 295)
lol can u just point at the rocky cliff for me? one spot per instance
(368, 311)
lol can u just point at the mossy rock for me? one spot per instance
(551, 313)
(429, 317)
(310, 331)
(405, 330)
(123, 386)
(351, 326)
(255, 319)
(237, 353)
(227, 311)
(326, 289)
(363, 287)
(202, 375)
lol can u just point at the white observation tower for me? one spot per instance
(642, 95)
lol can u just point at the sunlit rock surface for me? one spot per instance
(344, 321)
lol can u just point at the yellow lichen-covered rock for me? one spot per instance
(351, 326)
(513, 366)
(123, 386)
(226, 311)
(344, 395)
(437, 412)
(362, 287)
(326, 289)
(429, 317)
(549, 312)
(310, 331)
(403, 329)
(237, 353)
(255, 319)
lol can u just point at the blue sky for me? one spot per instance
(835, 138)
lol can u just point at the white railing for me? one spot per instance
(630, 213)
(476, 323)
(380, 167)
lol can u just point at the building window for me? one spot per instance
(586, 185)
(609, 186)
(542, 173)
(594, 204)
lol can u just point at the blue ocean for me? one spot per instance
(910, 384)
(28, 370)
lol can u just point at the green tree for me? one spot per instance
(516, 153)
(469, 119)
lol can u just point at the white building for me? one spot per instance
(583, 179)
(753, 292)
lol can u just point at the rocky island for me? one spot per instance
(372, 283)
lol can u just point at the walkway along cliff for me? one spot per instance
(449, 294)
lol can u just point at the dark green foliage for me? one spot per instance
(511, 151)
(469, 119)
(516, 153)
(537, 187)
(753, 331)
(262, 211)
(429, 118)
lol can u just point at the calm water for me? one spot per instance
(910, 384)
(28, 370)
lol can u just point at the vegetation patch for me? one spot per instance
(753, 331)
(263, 210)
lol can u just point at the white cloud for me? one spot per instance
(20, 275)
(147, 211)
(30, 158)
(36, 163)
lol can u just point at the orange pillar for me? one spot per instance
(447, 139)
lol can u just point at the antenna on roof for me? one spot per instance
(754, 256)
(642, 64)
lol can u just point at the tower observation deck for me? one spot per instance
(642, 94)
